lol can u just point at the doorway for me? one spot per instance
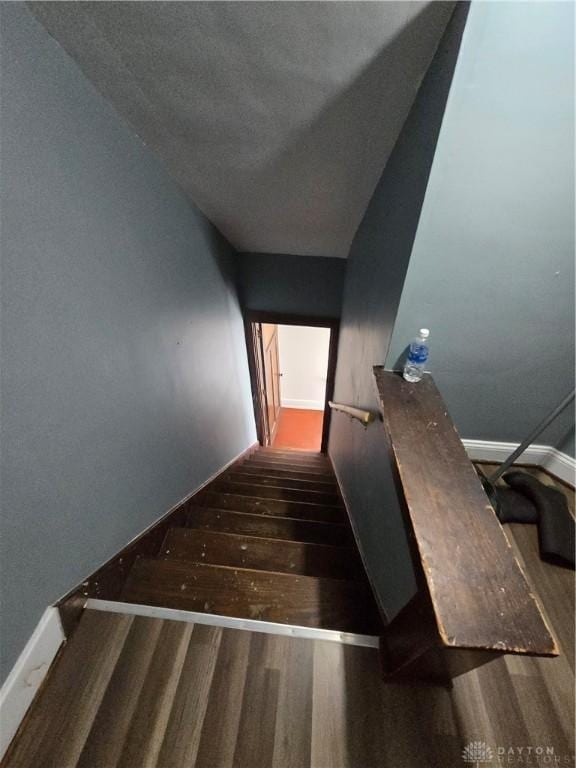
(292, 363)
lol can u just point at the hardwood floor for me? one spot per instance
(554, 585)
(253, 552)
(287, 528)
(304, 601)
(300, 429)
(137, 692)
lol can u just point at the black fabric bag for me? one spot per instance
(527, 500)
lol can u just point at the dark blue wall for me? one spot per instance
(376, 269)
(298, 285)
(492, 268)
(124, 375)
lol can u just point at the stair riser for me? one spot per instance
(238, 551)
(268, 527)
(284, 598)
(280, 494)
(290, 474)
(319, 466)
(261, 506)
(285, 453)
(280, 482)
(270, 450)
(281, 467)
(291, 455)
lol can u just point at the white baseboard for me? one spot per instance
(27, 674)
(545, 456)
(308, 405)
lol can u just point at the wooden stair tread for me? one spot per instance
(267, 554)
(290, 473)
(263, 506)
(285, 468)
(262, 478)
(478, 594)
(291, 461)
(251, 594)
(311, 456)
(277, 527)
(291, 451)
(282, 494)
(315, 466)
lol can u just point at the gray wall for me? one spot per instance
(376, 271)
(124, 381)
(492, 269)
(300, 285)
(566, 443)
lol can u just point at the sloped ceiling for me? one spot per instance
(276, 118)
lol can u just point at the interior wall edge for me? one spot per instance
(375, 276)
(491, 272)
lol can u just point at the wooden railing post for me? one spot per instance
(474, 602)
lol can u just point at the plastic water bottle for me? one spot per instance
(417, 356)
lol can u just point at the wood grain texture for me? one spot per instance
(252, 594)
(150, 720)
(289, 453)
(224, 706)
(326, 705)
(289, 474)
(237, 476)
(557, 585)
(291, 461)
(479, 594)
(268, 526)
(253, 488)
(242, 551)
(261, 506)
(112, 722)
(256, 727)
(183, 731)
(63, 722)
(286, 466)
(277, 556)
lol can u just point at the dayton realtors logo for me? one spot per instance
(479, 753)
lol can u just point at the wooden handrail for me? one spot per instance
(473, 596)
(364, 417)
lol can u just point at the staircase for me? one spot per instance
(268, 540)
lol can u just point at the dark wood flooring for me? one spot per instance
(145, 693)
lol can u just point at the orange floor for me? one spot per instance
(299, 428)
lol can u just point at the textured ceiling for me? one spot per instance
(276, 118)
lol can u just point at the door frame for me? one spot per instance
(282, 318)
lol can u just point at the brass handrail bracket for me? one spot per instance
(364, 417)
